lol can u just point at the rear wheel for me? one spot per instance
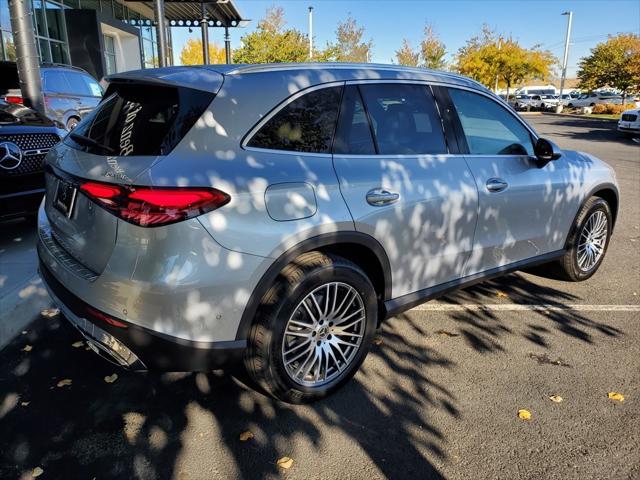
(72, 123)
(313, 328)
(588, 241)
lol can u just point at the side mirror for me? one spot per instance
(546, 151)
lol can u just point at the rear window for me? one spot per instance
(139, 120)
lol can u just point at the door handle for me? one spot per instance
(496, 185)
(379, 197)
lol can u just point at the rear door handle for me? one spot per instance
(496, 185)
(379, 197)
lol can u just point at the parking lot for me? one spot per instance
(437, 397)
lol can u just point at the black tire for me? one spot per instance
(72, 123)
(264, 359)
(569, 267)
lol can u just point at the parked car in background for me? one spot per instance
(629, 122)
(522, 101)
(566, 99)
(595, 98)
(25, 138)
(544, 102)
(69, 93)
(147, 235)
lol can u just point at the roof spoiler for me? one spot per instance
(196, 78)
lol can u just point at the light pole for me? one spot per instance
(566, 57)
(27, 60)
(310, 33)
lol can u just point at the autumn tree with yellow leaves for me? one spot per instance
(191, 53)
(489, 57)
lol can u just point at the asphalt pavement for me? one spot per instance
(438, 396)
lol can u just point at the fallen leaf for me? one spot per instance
(616, 396)
(285, 462)
(24, 332)
(376, 341)
(501, 294)
(556, 398)
(111, 378)
(27, 348)
(49, 312)
(25, 404)
(524, 414)
(64, 383)
(77, 344)
(447, 334)
(36, 472)
(244, 436)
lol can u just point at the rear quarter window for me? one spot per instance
(306, 124)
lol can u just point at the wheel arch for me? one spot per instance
(359, 248)
(606, 191)
(610, 195)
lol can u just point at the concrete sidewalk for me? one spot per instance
(22, 295)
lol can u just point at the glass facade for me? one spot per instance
(7, 48)
(51, 33)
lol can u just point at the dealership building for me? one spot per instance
(111, 36)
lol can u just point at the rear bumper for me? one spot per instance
(137, 348)
(629, 129)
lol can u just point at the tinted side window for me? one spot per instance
(305, 125)
(353, 135)
(488, 127)
(94, 87)
(55, 82)
(404, 119)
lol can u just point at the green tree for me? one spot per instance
(614, 63)
(407, 56)
(191, 53)
(349, 46)
(432, 50)
(271, 42)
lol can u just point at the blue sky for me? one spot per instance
(387, 22)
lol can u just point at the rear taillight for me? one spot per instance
(98, 315)
(153, 207)
(13, 99)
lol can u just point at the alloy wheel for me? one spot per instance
(592, 241)
(324, 334)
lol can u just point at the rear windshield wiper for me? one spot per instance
(90, 142)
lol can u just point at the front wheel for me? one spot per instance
(588, 241)
(313, 328)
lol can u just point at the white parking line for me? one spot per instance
(514, 307)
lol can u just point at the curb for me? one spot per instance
(583, 117)
(21, 307)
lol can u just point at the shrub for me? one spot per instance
(610, 108)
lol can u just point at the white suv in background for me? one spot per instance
(544, 102)
(629, 122)
(595, 98)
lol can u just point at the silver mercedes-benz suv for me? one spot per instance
(276, 214)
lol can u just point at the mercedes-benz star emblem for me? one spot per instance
(10, 155)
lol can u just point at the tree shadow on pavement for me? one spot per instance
(482, 328)
(171, 425)
(187, 426)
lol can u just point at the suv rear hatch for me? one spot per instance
(141, 118)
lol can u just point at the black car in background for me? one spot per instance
(25, 138)
(69, 92)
